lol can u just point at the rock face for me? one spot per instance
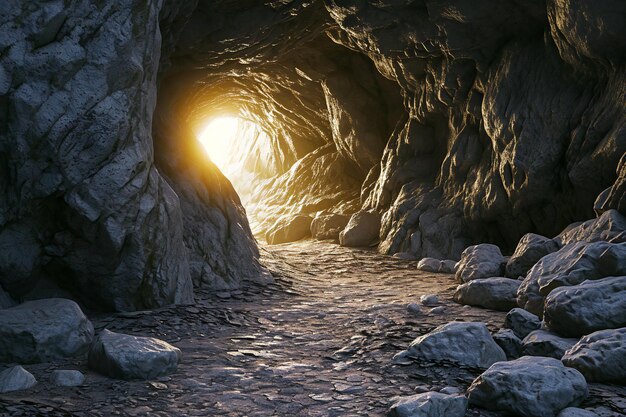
(468, 344)
(543, 343)
(289, 230)
(43, 330)
(528, 386)
(130, 357)
(529, 250)
(15, 379)
(522, 322)
(328, 226)
(494, 293)
(429, 404)
(480, 261)
(362, 230)
(599, 356)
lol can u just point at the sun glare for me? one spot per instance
(217, 139)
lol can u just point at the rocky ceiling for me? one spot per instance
(457, 121)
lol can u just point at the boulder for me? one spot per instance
(494, 293)
(466, 343)
(509, 342)
(6, 301)
(289, 229)
(529, 387)
(576, 412)
(43, 330)
(599, 356)
(16, 378)
(480, 261)
(67, 378)
(131, 357)
(571, 265)
(610, 226)
(429, 404)
(429, 300)
(521, 322)
(582, 309)
(529, 250)
(328, 226)
(446, 266)
(363, 229)
(543, 343)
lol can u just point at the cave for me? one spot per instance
(214, 172)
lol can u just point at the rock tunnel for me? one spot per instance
(452, 123)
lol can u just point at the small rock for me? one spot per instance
(67, 378)
(437, 310)
(522, 322)
(414, 308)
(448, 266)
(289, 229)
(576, 412)
(509, 342)
(530, 249)
(429, 300)
(328, 226)
(15, 379)
(429, 404)
(493, 293)
(528, 386)
(544, 343)
(363, 229)
(480, 261)
(429, 265)
(450, 390)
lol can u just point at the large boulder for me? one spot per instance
(571, 265)
(582, 309)
(328, 226)
(599, 356)
(480, 261)
(429, 404)
(16, 378)
(494, 293)
(543, 343)
(289, 229)
(521, 322)
(529, 250)
(528, 387)
(466, 343)
(124, 356)
(43, 330)
(363, 229)
(610, 226)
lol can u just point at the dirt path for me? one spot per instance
(317, 343)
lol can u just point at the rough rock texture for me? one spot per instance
(328, 226)
(446, 266)
(529, 387)
(429, 404)
(494, 293)
(522, 322)
(610, 227)
(67, 378)
(509, 342)
(130, 357)
(5, 300)
(529, 250)
(543, 343)
(480, 261)
(16, 378)
(576, 412)
(468, 344)
(361, 230)
(289, 230)
(599, 356)
(587, 307)
(43, 330)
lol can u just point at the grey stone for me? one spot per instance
(448, 266)
(494, 293)
(5, 300)
(528, 386)
(429, 404)
(509, 342)
(543, 343)
(582, 309)
(429, 300)
(131, 357)
(289, 229)
(445, 266)
(16, 378)
(414, 308)
(599, 356)
(328, 226)
(480, 261)
(522, 322)
(362, 229)
(576, 412)
(67, 378)
(529, 250)
(609, 226)
(43, 330)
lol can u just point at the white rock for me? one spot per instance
(67, 378)
(480, 261)
(529, 386)
(363, 229)
(544, 343)
(522, 322)
(530, 249)
(494, 293)
(429, 404)
(15, 379)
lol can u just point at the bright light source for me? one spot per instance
(217, 139)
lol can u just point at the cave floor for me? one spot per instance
(318, 342)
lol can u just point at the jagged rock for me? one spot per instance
(494, 293)
(529, 250)
(43, 330)
(468, 344)
(328, 226)
(576, 412)
(599, 356)
(529, 386)
(480, 261)
(429, 404)
(67, 378)
(522, 322)
(582, 309)
(16, 379)
(509, 342)
(610, 226)
(289, 229)
(362, 230)
(130, 357)
(571, 265)
(543, 343)
(445, 266)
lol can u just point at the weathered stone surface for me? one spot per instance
(529, 250)
(67, 378)
(446, 266)
(480, 261)
(494, 293)
(599, 356)
(130, 357)
(610, 226)
(289, 229)
(16, 378)
(582, 309)
(614, 197)
(543, 343)
(429, 300)
(576, 412)
(362, 230)
(328, 226)
(468, 344)
(509, 342)
(43, 330)
(522, 322)
(5, 299)
(528, 386)
(429, 404)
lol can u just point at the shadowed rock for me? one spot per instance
(543, 343)
(494, 293)
(522, 322)
(529, 250)
(289, 229)
(328, 226)
(362, 230)
(480, 261)
(16, 379)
